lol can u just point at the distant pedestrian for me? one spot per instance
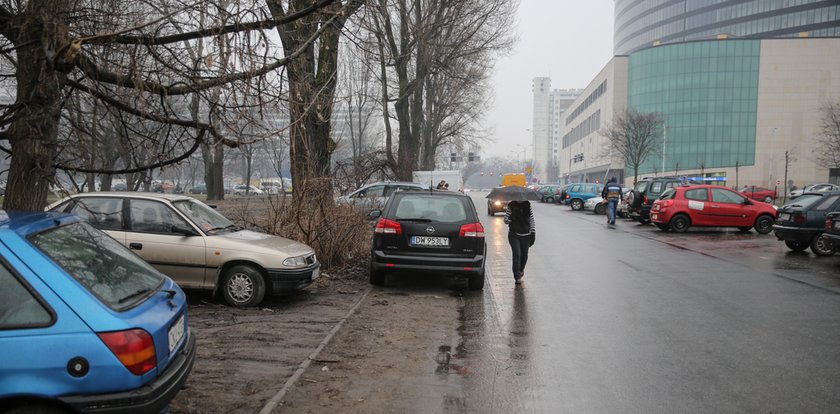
(441, 185)
(611, 193)
(521, 235)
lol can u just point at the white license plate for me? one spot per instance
(176, 332)
(429, 241)
(784, 217)
(837, 225)
(654, 216)
(316, 273)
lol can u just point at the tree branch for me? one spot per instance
(198, 140)
(132, 81)
(150, 40)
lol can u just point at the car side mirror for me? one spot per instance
(186, 231)
(374, 214)
(747, 202)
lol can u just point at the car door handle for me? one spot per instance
(135, 246)
(714, 206)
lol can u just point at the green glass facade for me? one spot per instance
(707, 94)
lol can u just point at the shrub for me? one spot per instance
(340, 235)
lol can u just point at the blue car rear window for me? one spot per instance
(19, 308)
(114, 274)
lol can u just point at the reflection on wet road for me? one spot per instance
(635, 320)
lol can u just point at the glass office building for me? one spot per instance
(641, 24)
(707, 94)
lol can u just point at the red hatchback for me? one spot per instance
(679, 208)
(759, 193)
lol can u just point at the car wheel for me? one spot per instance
(663, 226)
(377, 277)
(680, 223)
(764, 224)
(768, 200)
(600, 209)
(819, 247)
(243, 285)
(745, 229)
(577, 204)
(476, 282)
(796, 245)
(549, 199)
(634, 199)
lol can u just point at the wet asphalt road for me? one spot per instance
(632, 319)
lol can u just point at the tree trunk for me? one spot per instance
(213, 156)
(311, 88)
(33, 134)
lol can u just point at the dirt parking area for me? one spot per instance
(393, 345)
(388, 356)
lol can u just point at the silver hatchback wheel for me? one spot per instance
(243, 286)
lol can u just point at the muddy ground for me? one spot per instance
(246, 356)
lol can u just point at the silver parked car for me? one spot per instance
(374, 196)
(196, 246)
(813, 188)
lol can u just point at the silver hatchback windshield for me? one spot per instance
(204, 216)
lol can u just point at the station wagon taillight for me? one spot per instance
(828, 224)
(798, 218)
(386, 226)
(471, 230)
(134, 348)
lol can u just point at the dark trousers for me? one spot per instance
(519, 247)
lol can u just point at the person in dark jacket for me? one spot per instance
(521, 235)
(611, 193)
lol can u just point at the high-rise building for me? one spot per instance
(549, 105)
(640, 24)
(739, 85)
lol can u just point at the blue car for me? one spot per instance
(578, 193)
(85, 324)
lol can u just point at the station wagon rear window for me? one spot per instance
(445, 209)
(115, 275)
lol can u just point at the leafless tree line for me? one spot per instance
(97, 88)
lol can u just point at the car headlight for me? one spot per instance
(497, 203)
(295, 261)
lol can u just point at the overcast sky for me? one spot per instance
(567, 40)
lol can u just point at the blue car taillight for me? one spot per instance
(134, 348)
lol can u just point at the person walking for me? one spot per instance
(611, 193)
(521, 235)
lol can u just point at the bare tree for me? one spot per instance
(356, 127)
(426, 50)
(634, 136)
(312, 81)
(828, 140)
(130, 57)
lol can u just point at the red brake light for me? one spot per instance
(828, 224)
(799, 218)
(666, 203)
(387, 227)
(644, 199)
(134, 348)
(471, 230)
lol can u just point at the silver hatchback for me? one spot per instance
(196, 246)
